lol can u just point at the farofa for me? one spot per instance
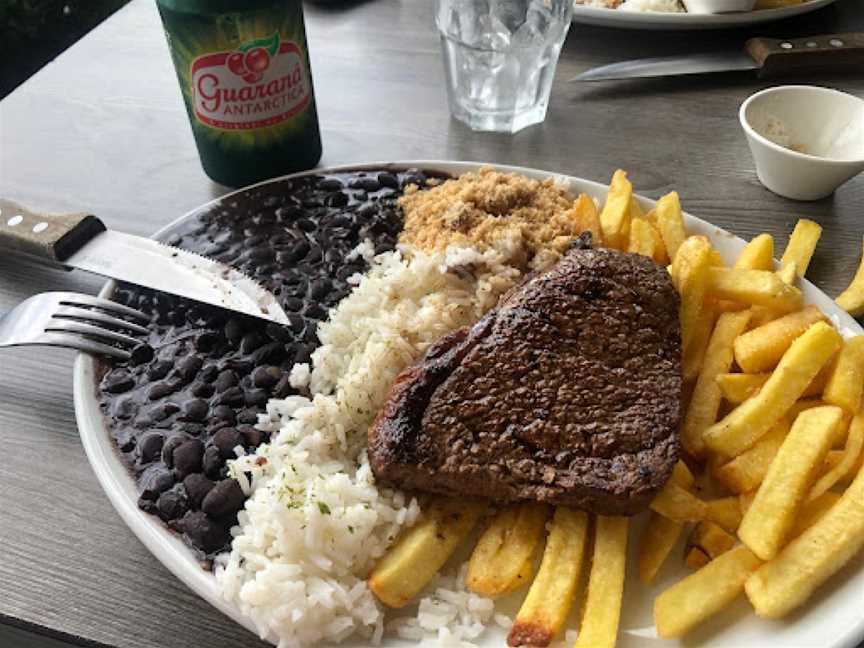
(530, 221)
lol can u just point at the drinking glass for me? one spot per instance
(500, 57)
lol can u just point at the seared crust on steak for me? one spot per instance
(568, 392)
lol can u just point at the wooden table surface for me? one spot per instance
(103, 129)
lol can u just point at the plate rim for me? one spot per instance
(601, 16)
(165, 546)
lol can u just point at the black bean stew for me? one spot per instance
(193, 392)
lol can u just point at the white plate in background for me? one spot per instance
(660, 20)
(832, 619)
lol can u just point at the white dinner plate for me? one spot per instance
(663, 20)
(832, 619)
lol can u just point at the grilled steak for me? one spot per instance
(568, 392)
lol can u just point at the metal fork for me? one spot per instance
(75, 321)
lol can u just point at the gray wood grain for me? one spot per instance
(103, 129)
(15, 637)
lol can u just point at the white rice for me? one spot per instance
(315, 521)
(447, 615)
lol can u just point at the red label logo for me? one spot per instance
(262, 83)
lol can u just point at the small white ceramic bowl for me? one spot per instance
(806, 140)
(718, 6)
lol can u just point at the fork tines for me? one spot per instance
(99, 320)
(72, 320)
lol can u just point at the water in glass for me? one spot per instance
(500, 57)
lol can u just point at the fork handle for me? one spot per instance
(53, 237)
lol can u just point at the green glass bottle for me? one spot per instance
(243, 68)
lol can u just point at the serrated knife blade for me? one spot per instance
(147, 263)
(81, 241)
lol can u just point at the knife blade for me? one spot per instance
(669, 66)
(82, 241)
(770, 57)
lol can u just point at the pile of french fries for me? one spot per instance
(772, 428)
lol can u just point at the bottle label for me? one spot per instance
(261, 83)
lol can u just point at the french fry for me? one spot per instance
(705, 401)
(651, 217)
(701, 595)
(801, 245)
(678, 504)
(746, 471)
(809, 403)
(693, 265)
(715, 259)
(423, 549)
(504, 547)
(768, 521)
(758, 287)
(635, 209)
(788, 273)
(745, 500)
(758, 254)
(851, 454)
(711, 538)
(760, 349)
(748, 422)
(524, 576)
(783, 584)
(817, 385)
(696, 558)
(615, 216)
(712, 462)
(724, 511)
(672, 269)
(812, 511)
(682, 475)
(724, 305)
(846, 383)
(763, 315)
(550, 598)
(833, 458)
(602, 610)
(670, 222)
(661, 256)
(852, 299)
(661, 534)
(642, 239)
(587, 218)
(659, 538)
(695, 354)
(804, 404)
(738, 387)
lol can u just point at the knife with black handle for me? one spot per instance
(770, 57)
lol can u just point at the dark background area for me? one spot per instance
(33, 32)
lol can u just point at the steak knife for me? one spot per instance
(82, 241)
(770, 57)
